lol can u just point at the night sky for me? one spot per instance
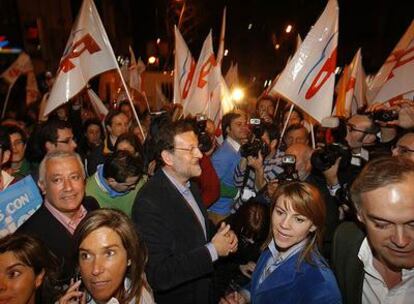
(374, 25)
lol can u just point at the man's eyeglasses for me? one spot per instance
(403, 149)
(351, 127)
(192, 150)
(66, 141)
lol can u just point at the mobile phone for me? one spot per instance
(76, 278)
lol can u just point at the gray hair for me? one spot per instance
(58, 155)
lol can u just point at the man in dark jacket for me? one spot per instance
(173, 222)
(62, 182)
(376, 264)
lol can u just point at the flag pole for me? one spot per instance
(146, 101)
(6, 101)
(130, 100)
(276, 108)
(313, 136)
(285, 125)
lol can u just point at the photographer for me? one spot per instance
(351, 137)
(260, 159)
(208, 181)
(225, 160)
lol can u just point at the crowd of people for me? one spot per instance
(178, 215)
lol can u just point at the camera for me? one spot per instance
(384, 115)
(204, 141)
(324, 158)
(256, 127)
(289, 169)
(255, 145)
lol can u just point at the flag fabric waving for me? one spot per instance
(206, 80)
(135, 70)
(352, 88)
(23, 66)
(396, 75)
(97, 104)
(184, 67)
(20, 66)
(88, 53)
(308, 79)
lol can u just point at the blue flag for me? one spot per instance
(17, 203)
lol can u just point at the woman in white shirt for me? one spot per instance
(111, 261)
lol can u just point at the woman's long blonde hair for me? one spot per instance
(306, 200)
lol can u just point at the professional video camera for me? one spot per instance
(383, 115)
(256, 144)
(325, 157)
(289, 169)
(204, 140)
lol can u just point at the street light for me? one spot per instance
(152, 60)
(237, 94)
(288, 29)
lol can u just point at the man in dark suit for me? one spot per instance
(62, 181)
(376, 264)
(172, 220)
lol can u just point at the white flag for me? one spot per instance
(206, 79)
(184, 68)
(232, 76)
(22, 65)
(97, 104)
(88, 53)
(357, 87)
(308, 79)
(135, 70)
(396, 75)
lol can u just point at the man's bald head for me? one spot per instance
(303, 155)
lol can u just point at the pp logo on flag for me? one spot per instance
(86, 43)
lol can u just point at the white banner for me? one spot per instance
(308, 79)
(87, 53)
(394, 77)
(184, 67)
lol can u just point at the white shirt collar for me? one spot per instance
(279, 257)
(367, 258)
(234, 144)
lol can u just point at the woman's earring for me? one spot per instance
(129, 262)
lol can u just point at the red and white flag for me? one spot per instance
(308, 79)
(97, 104)
(207, 78)
(88, 53)
(184, 68)
(396, 75)
(352, 88)
(22, 65)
